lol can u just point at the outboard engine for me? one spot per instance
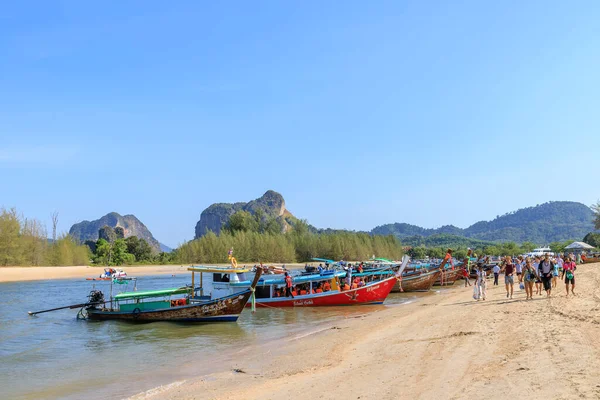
(96, 296)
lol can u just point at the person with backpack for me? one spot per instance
(545, 271)
(569, 268)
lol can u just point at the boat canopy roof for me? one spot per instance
(280, 279)
(218, 270)
(323, 260)
(151, 293)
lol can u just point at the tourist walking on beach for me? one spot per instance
(529, 276)
(569, 268)
(496, 270)
(538, 281)
(465, 274)
(509, 281)
(555, 271)
(545, 271)
(480, 287)
(288, 285)
(519, 264)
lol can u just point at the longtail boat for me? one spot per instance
(310, 290)
(175, 305)
(109, 274)
(417, 281)
(450, 276)
(157, 305)
(591, 258)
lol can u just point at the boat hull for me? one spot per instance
(451, 277)
(226, 309)
(418, 282)
(375, 293)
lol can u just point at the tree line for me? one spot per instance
(25, 242)
(255, 239)
(494, 249)
(113, 248)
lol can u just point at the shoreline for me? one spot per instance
(21, 274)
(443, 346)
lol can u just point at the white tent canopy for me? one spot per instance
(579, 246)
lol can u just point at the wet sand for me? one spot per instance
(443, 346)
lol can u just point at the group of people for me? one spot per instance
(540, 271)
(292, 290)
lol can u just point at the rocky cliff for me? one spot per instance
(88, 230)
(215, 216)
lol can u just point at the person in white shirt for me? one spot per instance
(496, 270)
(480, 286)
(519, 264)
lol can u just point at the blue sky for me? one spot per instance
(359, 113)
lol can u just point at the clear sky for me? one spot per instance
(360, 113)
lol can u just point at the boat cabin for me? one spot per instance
(150, 299)
(218, 282)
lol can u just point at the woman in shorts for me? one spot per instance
(519, 264)
(569, 268)
(529, 276)
(555, 270)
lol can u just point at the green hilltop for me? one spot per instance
(542, 224)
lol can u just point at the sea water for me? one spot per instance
(54, 355)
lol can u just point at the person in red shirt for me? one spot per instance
(465, 274)
(569, 268)
(288, 285)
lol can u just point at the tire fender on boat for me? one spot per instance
(136, 313)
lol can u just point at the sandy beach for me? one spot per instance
(16, 274)
(445, 345)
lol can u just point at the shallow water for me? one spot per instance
(54, 355)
